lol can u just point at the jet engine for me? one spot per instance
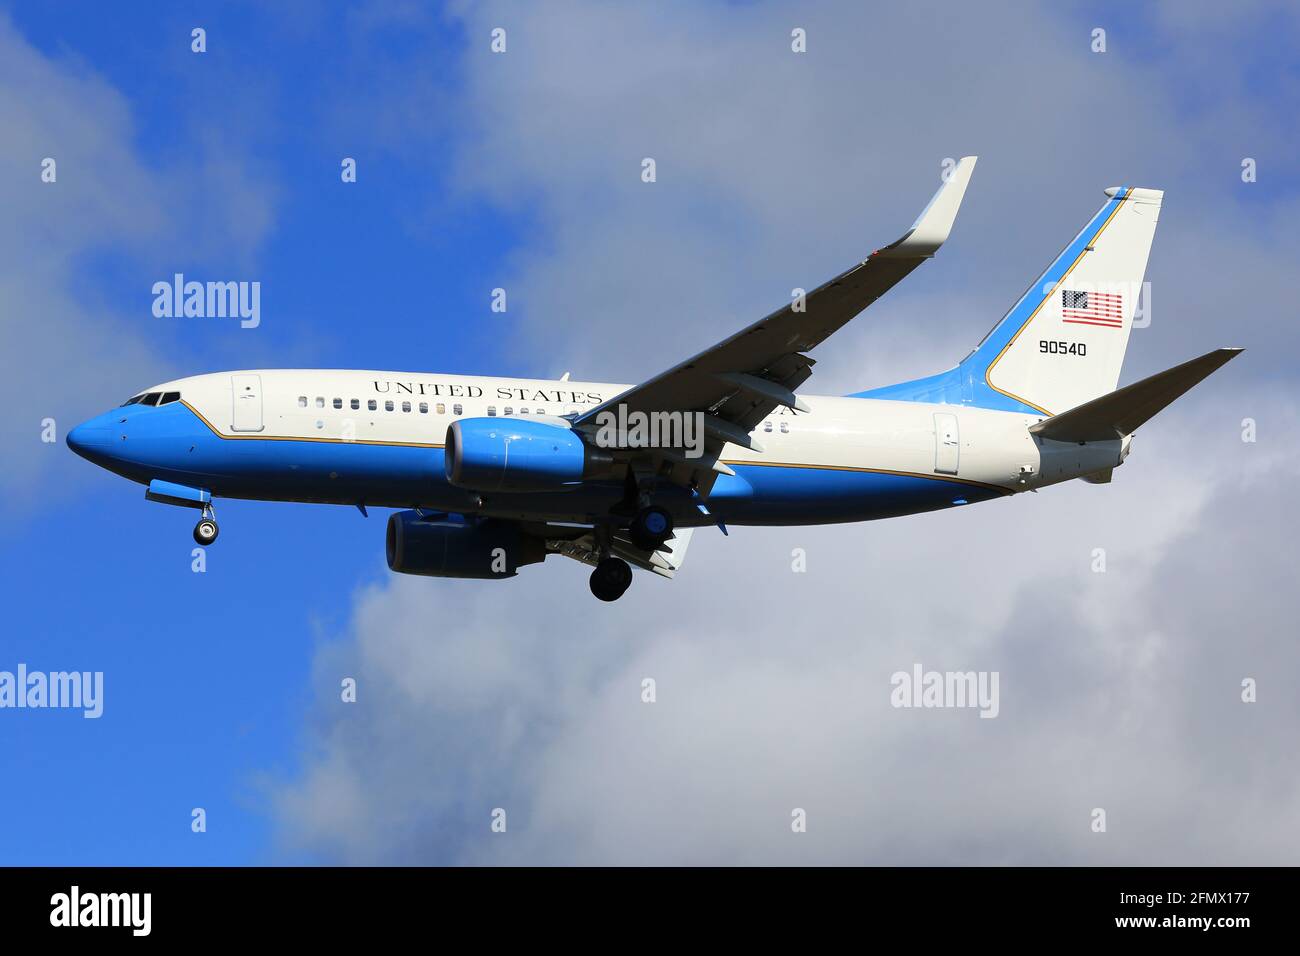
(512, 454)
(451, 546)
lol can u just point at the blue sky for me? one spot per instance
(474, 173)
(202, 692)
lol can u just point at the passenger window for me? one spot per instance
(338, 403)
(455, 410)
(492, 411)
(406, 406)
(541, 411)
(302, 401)
(785, 428)
(320, 402)
(767, 426)
(169, 397)
(509, 410)
(372, 405)
(356, 403)
(523, 411)
(388, 405)
(424, 408)
(442, 409)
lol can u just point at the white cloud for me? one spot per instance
(77, 346)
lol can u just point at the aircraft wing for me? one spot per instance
(582, 547)
(738, 382)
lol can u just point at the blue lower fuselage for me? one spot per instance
(172, 444)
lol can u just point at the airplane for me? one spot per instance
(493, 474)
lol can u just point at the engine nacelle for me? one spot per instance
(515, 454)
(452, 547)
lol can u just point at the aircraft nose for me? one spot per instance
(88, 439)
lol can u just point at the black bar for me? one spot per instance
(331, 905)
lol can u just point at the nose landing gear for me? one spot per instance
(206, 531)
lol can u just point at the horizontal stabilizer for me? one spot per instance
(1124, 410)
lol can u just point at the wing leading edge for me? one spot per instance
(741, 380)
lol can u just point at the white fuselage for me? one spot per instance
(299, 434)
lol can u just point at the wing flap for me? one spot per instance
(665, 562)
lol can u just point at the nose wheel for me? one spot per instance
(611, 578)
(206, 531)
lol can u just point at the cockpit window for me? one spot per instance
(153, 398)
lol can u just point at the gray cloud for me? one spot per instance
(1119, 690)
(777, 170)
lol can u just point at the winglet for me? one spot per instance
(931, 228)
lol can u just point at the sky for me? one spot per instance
(1119, 690)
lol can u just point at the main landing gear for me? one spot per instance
(649, 530)
(206, 531)
(611, 578)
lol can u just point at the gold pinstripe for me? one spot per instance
(334, 441)
(762, 464)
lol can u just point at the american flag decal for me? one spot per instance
(1093, 308)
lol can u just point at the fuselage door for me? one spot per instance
(246, 415)
(947, 444)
